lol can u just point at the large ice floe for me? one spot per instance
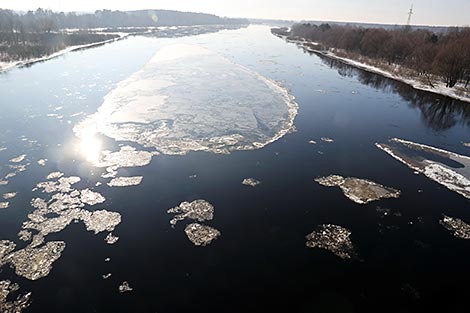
(447, 168)
(359, 190)
(188, 98)
(333, 238)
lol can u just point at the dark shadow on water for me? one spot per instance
(437, 112)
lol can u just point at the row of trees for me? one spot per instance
(39, 33)
(47, 21)
(446, 55)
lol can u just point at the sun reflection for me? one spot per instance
(90, 148)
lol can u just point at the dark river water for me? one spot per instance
(407, 261)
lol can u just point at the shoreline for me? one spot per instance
(440, 88)
(8, 66)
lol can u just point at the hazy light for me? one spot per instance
(90, 147)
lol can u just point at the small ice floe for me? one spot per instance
(361, 191)
(2, 149)
(107, 259)
(124, 287)
(106, 276)
(199, 210)
(333, 238)
(64, 184)
(25, 235)
(459, 228)
(54, 175)
(3, 182)
(91, 197)
(251, 182)
(4, 205)
(327, 140)
(312, 142)
(447, 168)
(193, 176)
(201, 235)
(466, 144)
(125, 181)
(111, 239)
(102, 220)
(42, 162)
(35, 263)
(17, 305)
(18, 159)
(9, 195)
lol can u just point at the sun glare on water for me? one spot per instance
(90, 148)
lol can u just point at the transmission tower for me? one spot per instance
(410, 13)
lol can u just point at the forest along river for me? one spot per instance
(228, 171)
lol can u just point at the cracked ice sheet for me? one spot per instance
(447, 168)
(174, 104)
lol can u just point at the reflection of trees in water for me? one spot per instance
(437, 112)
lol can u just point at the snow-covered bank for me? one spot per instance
(6, 66)
(439, 87)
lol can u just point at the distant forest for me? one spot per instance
(445, 55)
(42, 32)
(46, 20)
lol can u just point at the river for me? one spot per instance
(406, 260)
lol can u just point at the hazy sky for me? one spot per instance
(435, 12)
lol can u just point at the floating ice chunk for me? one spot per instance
(127, 156)
(447, 168)
(459, 228)
(42, 162)
(106, 276)
(9, 195)
(111, 239)
(359, 190)
(90, 197)
(102, 220)
(125, 181)
(333, 238)
(175, 106)
(3, 182)
(16, 306)
(466, 144)
(6, 246)
(18, 159)
(312, 142)
(4, 205)
(201, 235)
(62, 185)
(54, 175)
(199, 210)
(25, 235)
(251, 182)
(35, 263)
(327, 140)
(125, 287)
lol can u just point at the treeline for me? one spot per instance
(445, 55)
(47, 21)
(35, 45)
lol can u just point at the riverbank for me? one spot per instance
(7, 66)
(458, 92)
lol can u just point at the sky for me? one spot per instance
(426, 12)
